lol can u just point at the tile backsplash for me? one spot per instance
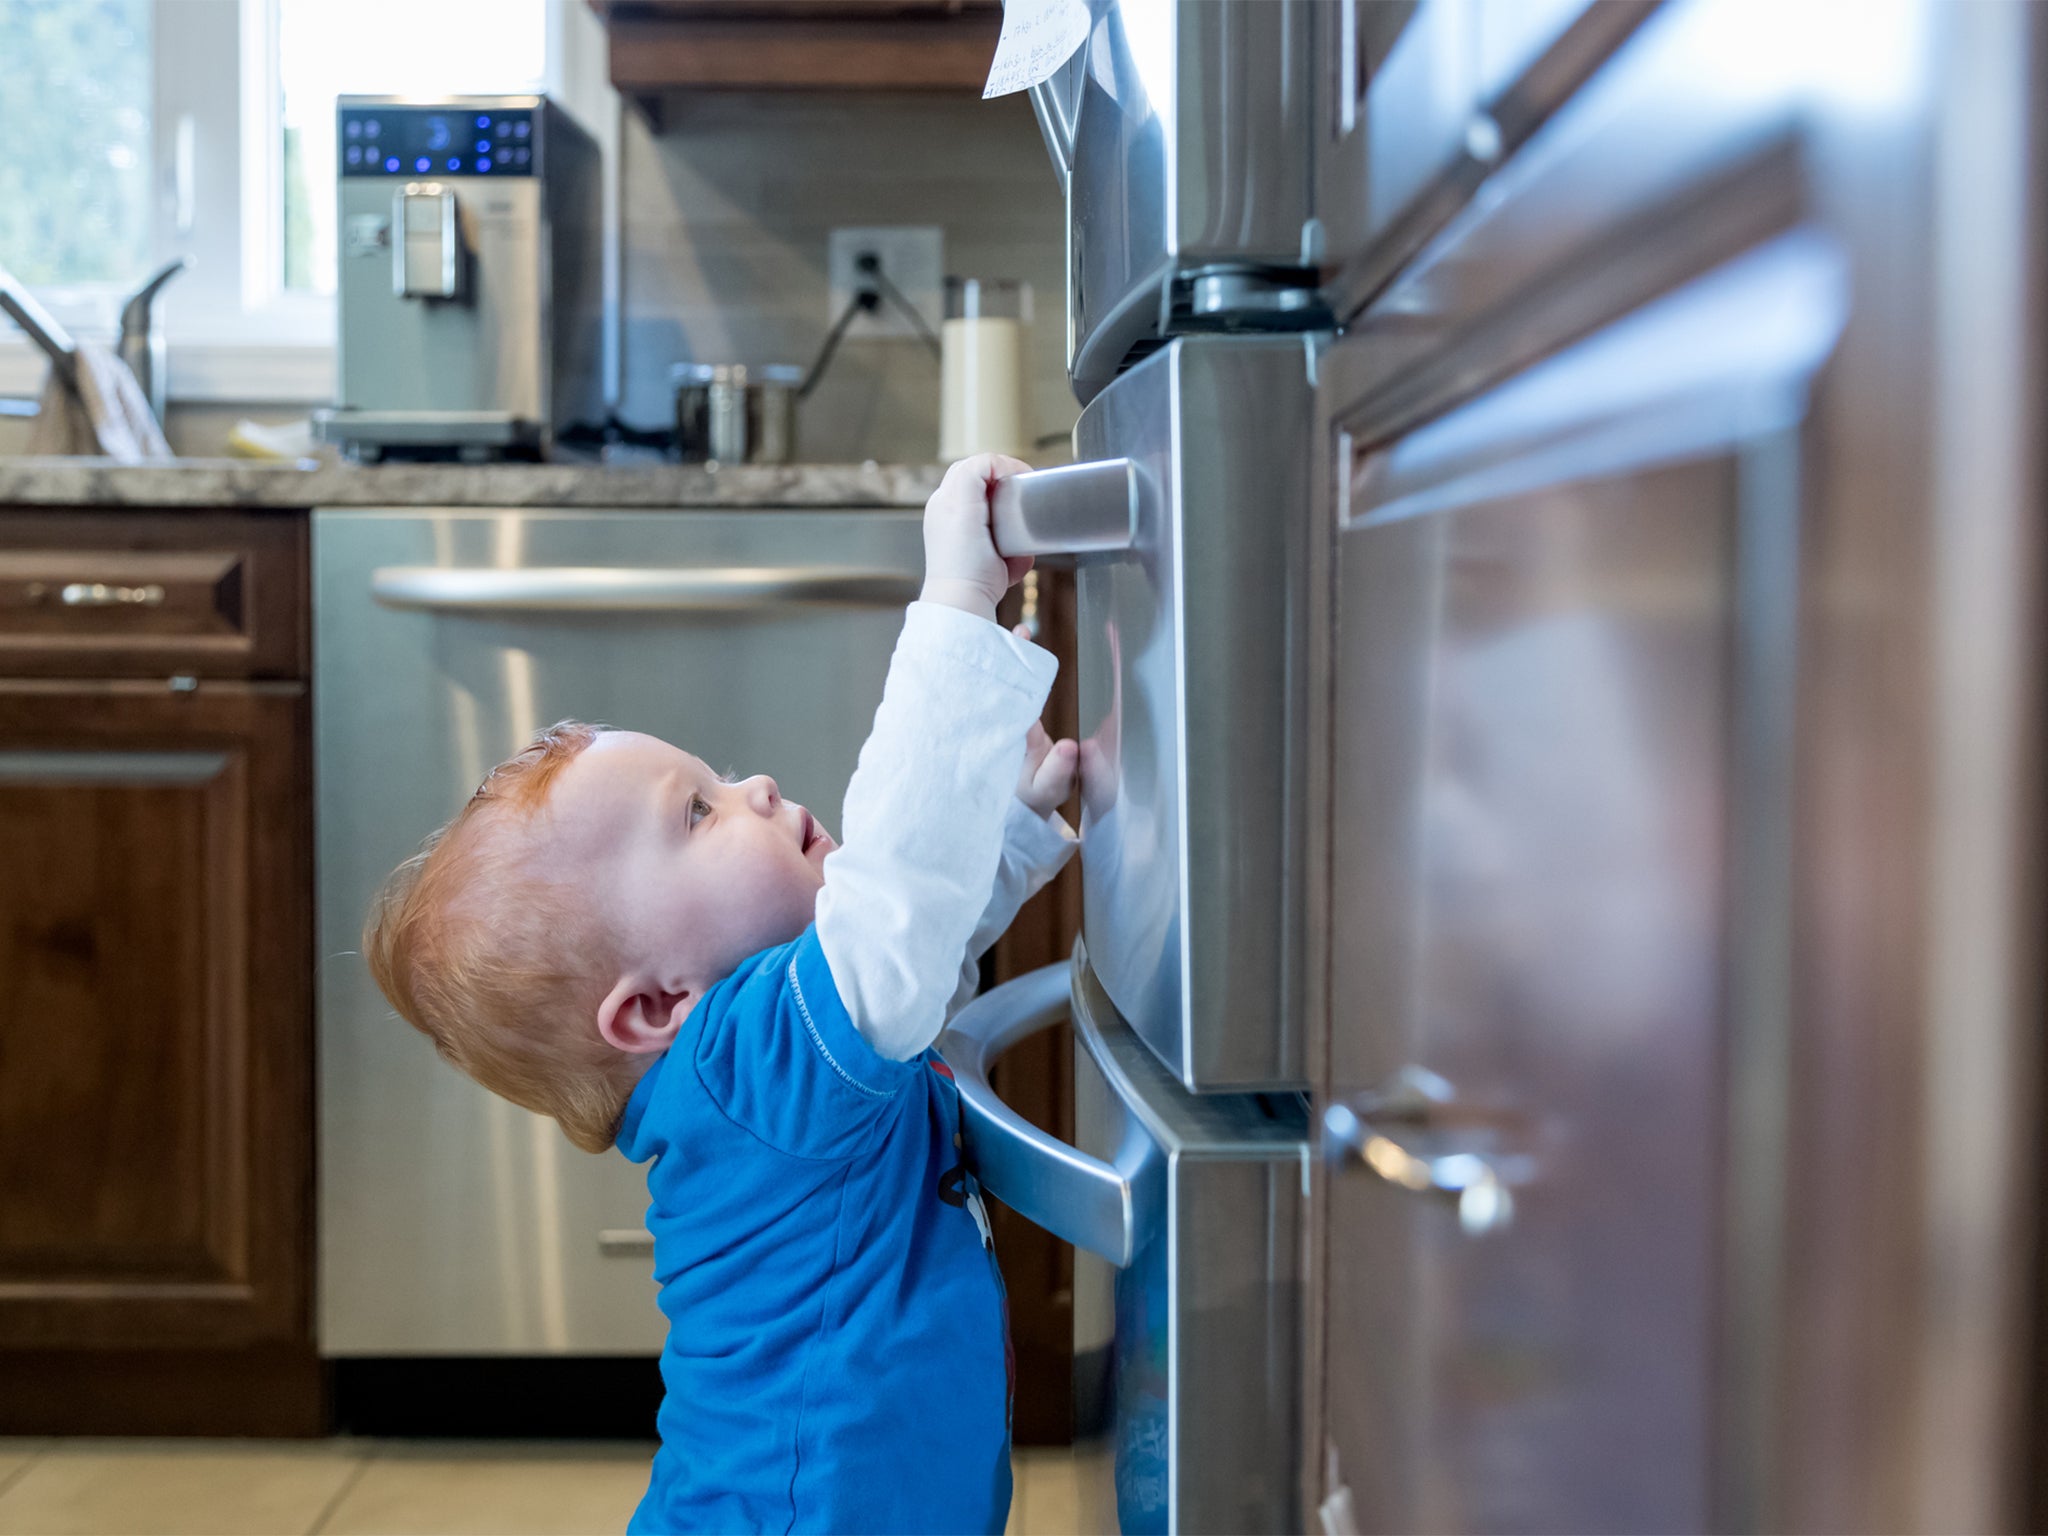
(726, 213)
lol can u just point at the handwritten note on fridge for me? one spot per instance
(1038, 37)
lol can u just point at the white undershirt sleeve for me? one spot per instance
(923, 829)
(1035, 848)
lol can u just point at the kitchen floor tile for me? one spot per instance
(171, 1488)
(16, 1454)
(1048, 1497)
(500, 1488)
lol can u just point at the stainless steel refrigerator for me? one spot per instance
(1194, 313)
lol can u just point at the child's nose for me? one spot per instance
(763, 794)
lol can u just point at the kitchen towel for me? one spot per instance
(106, 414)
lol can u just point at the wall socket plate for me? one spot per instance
(913, 257)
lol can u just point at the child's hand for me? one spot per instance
(961, 566)
(1048, 776)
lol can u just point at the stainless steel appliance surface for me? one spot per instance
(469, 275)
(1188, 518)
(452, 1222)
(1186, 1211)
(1183, 136)
(1192, 678)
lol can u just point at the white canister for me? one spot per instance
(981, 369)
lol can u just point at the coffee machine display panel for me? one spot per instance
(438, 141)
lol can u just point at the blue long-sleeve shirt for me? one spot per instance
(837, 1357)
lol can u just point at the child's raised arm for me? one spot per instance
(923, 826)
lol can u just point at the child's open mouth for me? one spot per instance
(810, 834)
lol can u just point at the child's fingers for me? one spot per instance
(1053, 779)
(1036, 745)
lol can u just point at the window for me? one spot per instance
(327, 49)
(138, 130)
(74, 182)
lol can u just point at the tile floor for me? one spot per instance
(378, 1488)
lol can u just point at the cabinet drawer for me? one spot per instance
(151, 593)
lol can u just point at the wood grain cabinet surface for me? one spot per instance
(156, 1106)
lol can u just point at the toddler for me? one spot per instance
(689, 967)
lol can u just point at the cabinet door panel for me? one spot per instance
(1560, 821)
(155, 1116)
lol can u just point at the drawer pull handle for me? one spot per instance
(625, 1242)
(98, 594)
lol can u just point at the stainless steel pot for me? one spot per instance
(735, 414)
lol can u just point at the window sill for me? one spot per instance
(240, 373)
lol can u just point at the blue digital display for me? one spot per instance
(395, 140)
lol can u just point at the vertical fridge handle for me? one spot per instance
(1041, 1178)
(1078, 509)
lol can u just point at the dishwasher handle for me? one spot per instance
(1077, 509)
(1060, 1188)
(620, 589)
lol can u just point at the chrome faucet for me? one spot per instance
(141, 344)
(56, 343)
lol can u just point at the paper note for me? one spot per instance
(1038, 37)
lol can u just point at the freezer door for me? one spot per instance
(1560, 821)
(1192, 699)
(1189, 127)
(452, 1222)
(1187, 1304)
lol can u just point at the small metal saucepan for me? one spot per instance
(735, 414)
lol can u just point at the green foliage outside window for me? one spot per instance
(75, 140)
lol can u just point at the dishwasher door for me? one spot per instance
(452, 1222)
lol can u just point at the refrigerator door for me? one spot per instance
(453, 1222)
(1183, 136)
(1192, 703)
(1188, 1283)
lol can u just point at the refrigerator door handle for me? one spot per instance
(1041, 1178)
(1077, 509)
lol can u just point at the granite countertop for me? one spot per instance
(242, 483)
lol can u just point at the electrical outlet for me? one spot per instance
(912, 257)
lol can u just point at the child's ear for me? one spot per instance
(639, 1016)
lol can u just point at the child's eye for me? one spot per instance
(699, 809)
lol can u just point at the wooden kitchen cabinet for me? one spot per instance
(1036, 1078)
(156, 1108)
(918, 45)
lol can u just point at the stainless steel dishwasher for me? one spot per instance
(451, 1222)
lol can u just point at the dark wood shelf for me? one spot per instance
(658, 46)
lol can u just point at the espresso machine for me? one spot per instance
(470, 277)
